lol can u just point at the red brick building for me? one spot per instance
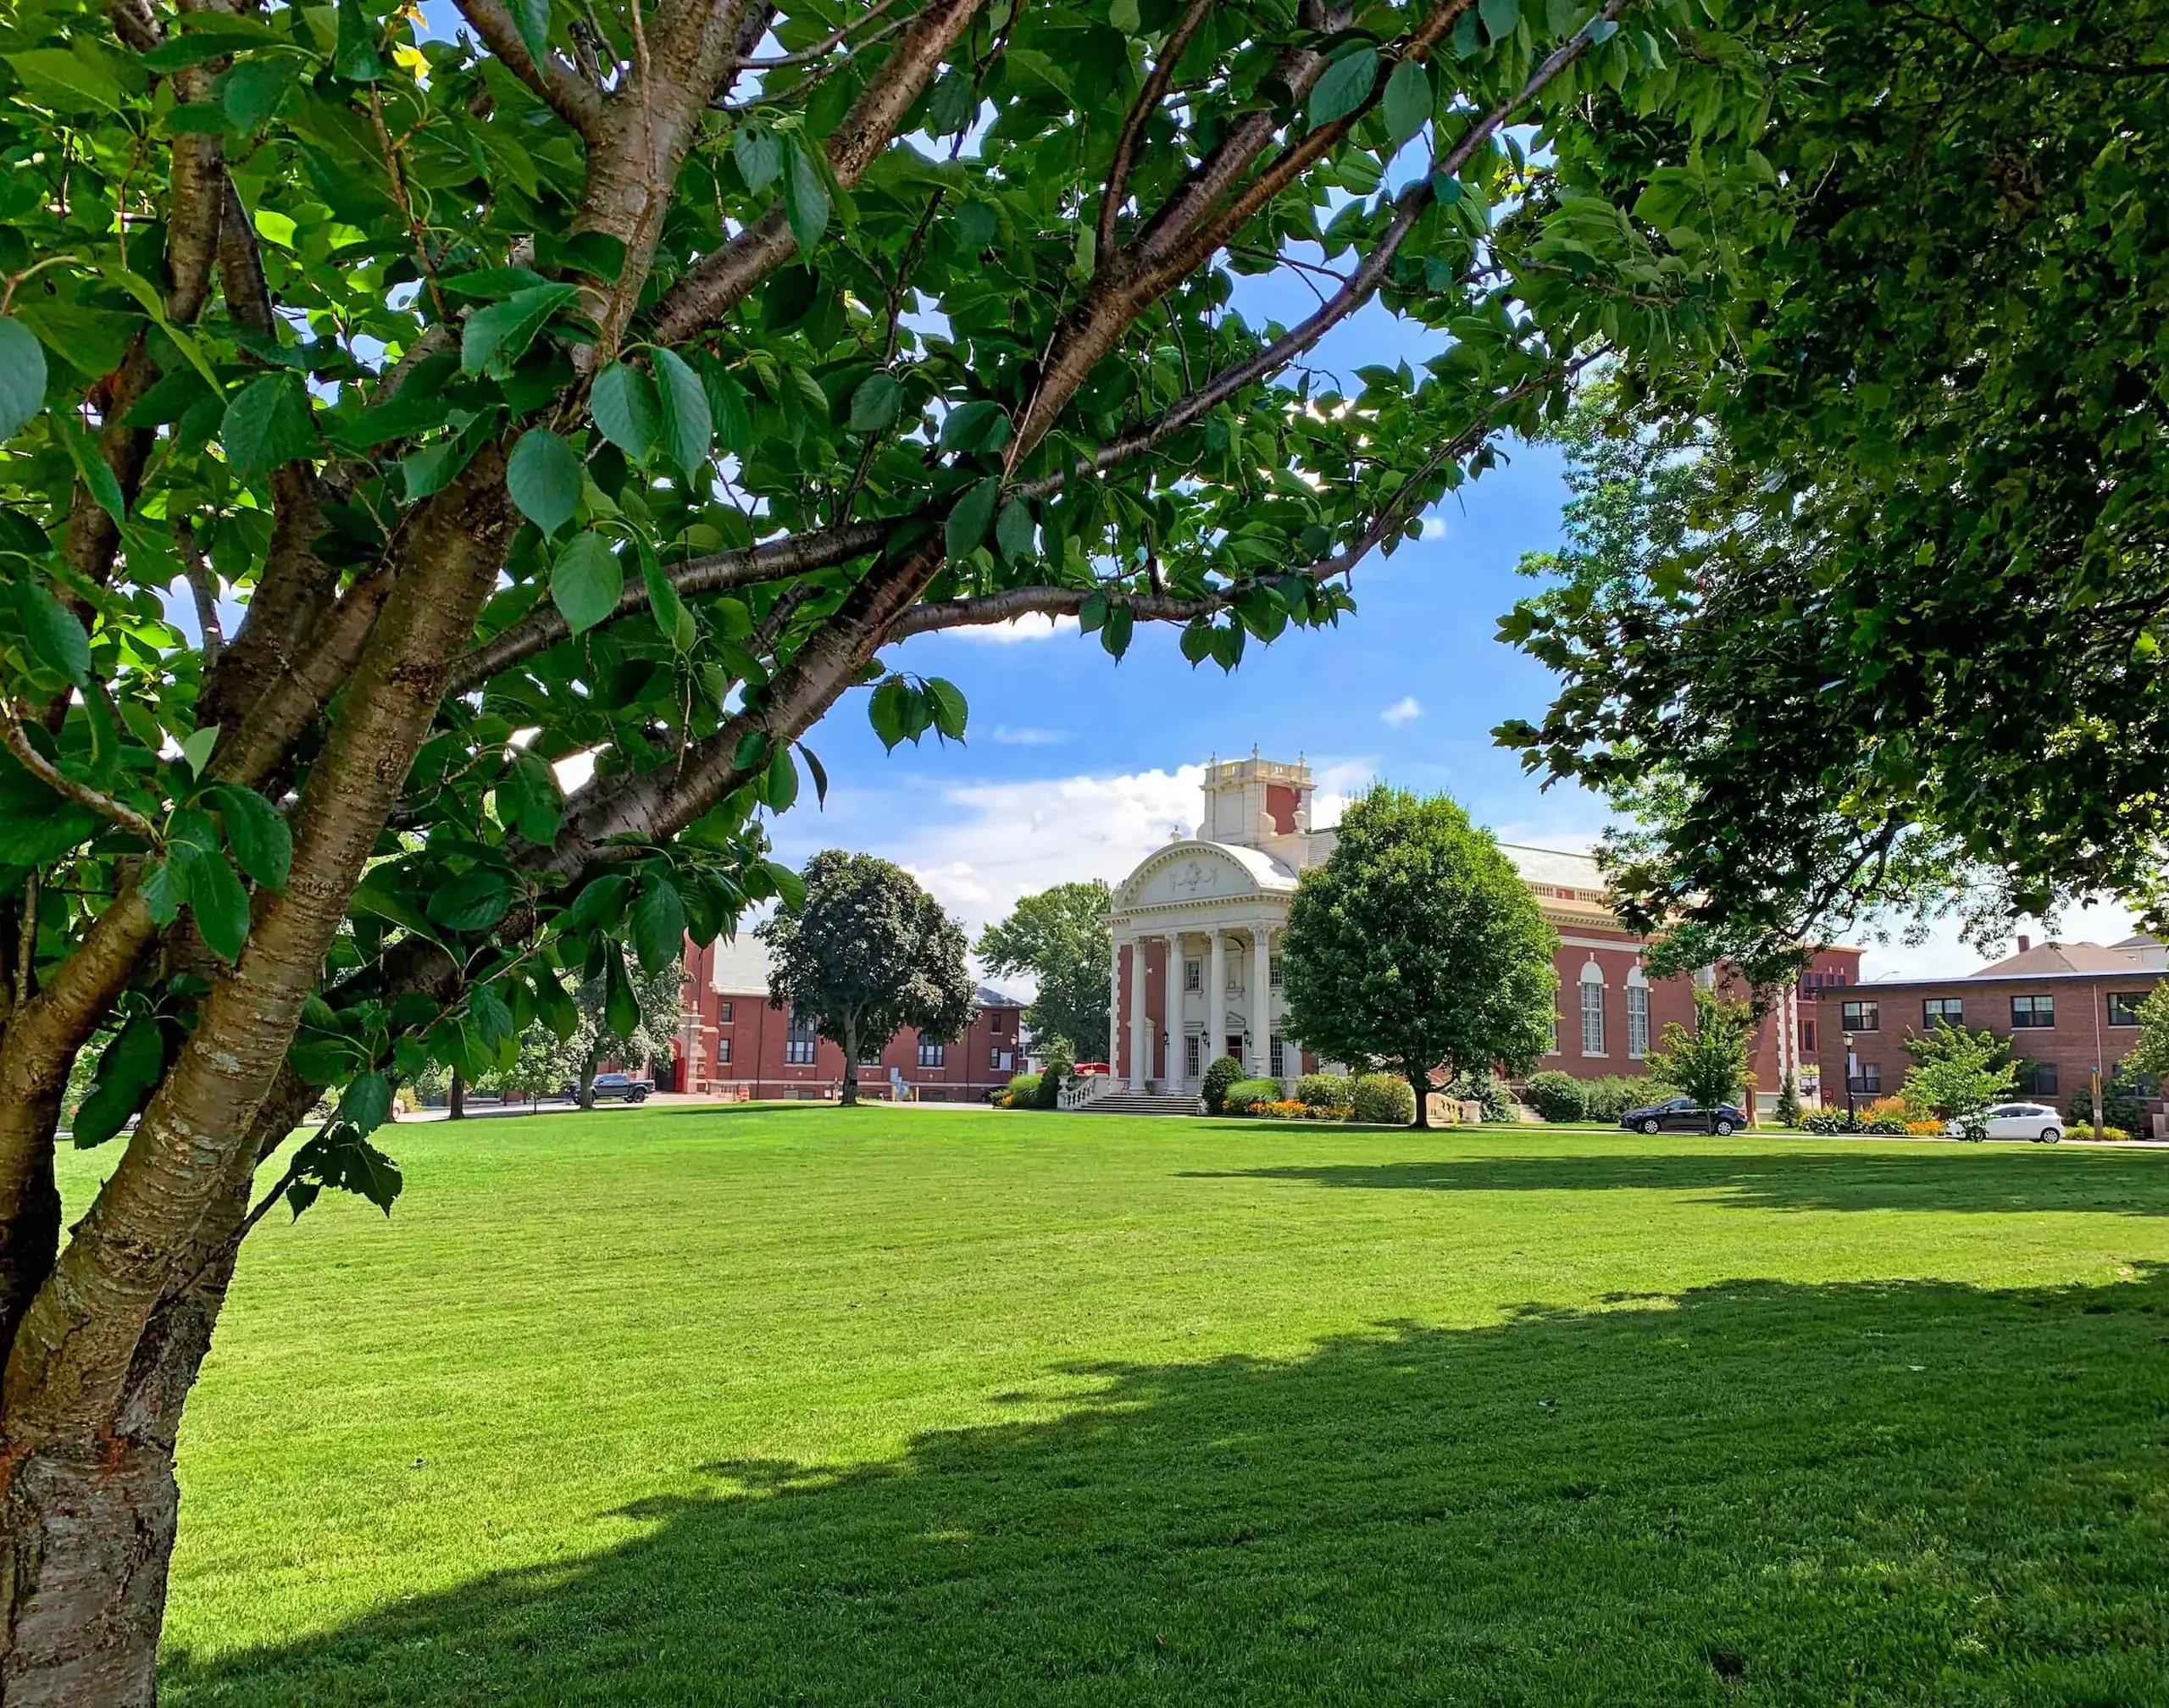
(2069, 1010)
(734, 1043)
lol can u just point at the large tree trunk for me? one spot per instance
(850, 1062)
(455, 1097)
(1420, 1084)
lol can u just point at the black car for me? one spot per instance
(1683, 1115)
(610, 1085)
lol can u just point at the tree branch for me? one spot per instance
(1140, 114)
(560, 85)
(18, 742)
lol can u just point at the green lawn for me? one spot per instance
(909, 1406)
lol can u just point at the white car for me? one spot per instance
(2036, 1121)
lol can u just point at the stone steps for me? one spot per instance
(1140, 1103)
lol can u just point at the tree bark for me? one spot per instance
(1421, 1085)
(455, 1097)
(849, 1097)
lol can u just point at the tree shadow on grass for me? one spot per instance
(2129, 1183)
(1903, 1493)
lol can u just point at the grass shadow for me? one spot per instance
(1872, 1493)
(2130, 1183)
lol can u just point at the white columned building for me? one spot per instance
(1215, 904)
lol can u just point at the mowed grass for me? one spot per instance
(911, 1406)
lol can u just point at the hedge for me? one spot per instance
(1243, 1093)
(1324, 1090)
(1555, 1095)
(1382, 1100)
(1223, 1072)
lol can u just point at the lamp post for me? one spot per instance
(1852, 1072)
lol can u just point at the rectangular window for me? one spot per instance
(1554, 1050)
(723, 1052)
(1272, 971)
(1638, 1021)
(1592, 1018)
(1807, 1037)
(1861, 1017)
(1003, 1059)
(2032, 1012)
(2123, 1007)
(1275, 1057)
(1943, 1011)
(799, 1041)
(2037, 1079)
(1194, 977)
(1869, 1079)
(1193, 1052)
(933, 1055)
(723, 1013)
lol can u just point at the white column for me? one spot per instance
(1176, 1018)
(1260, 1002)
(1141, 1047)
(1114, 1000)
(1216, 994)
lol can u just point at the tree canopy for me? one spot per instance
(1418, 946)
(1902, 626)
(868, 953)
(1707, 1061)
(445, 480)
(1059, 938)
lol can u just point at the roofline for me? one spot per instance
(1963, 978)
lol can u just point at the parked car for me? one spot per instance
(2038, 1122)
(1683, 1115)
(622, 1086)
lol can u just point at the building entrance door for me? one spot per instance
(1235, 1047)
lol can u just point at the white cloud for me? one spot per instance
(1434, 527)
(1034, 628)
(1028, 737)
(1405, 710)
(1333, 784)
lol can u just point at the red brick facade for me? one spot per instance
(734, 1043)
(2088, 1026)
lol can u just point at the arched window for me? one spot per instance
(1592, 1009)
(1638, 1015)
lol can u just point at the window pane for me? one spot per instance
(2123, 1007)
(1592, 1019)
(1638, 1021)
(1861, 1017)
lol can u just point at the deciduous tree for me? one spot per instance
(398, 431)
(1059, 938)
(868, 953)
(1708, 1061)
(1416, 945)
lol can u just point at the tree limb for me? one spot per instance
(1140, 114)
(559, 84)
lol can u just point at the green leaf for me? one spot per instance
(220, 903)
(805, 197)
(889, 712)
(1114, 635)
(949, 710)
(758, 156)
(780, 781)
(587, 582)
(1013, 531)
(544, 478)
(497, 337)
(129, 1071)
(22, 376)
(659, 926)
(1345, 86)
(969, 518)
(531, 18)
(255, 88)
(1408, 101)
(529, 800)
(366, 1103)
(626, 409)
(734, 422)
(600, 903)
(66, 82)
(354, 56)
(1123, 15)
(982, 424)
(621, 1009)
(873, 405)
(55, 636)
(1468, 38)
(818, 772)
(1500, 17)
(473, 901)
(163, 887)
(790, 888)
(687, 426)
(268, 423)
(197, 749)
(97, 476)
(258, 836)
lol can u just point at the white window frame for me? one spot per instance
(801, 1043)
(933, 1055)
(1638, 1022)
(1193, 1054)
(723, 1052)
(1193, 976)
(1276, 1057)
(1593, 1016)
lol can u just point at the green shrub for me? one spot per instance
(1051, 1082)
(1220, 1074)
(2120, 1107)
(1382, 1100)
(1555, 1096)
(1023, 1090)
(1788, 1109)
(1244, 1093)
(1827, 1120)
(1486, 1089)
(1324, 1090)
(1609, 1098)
